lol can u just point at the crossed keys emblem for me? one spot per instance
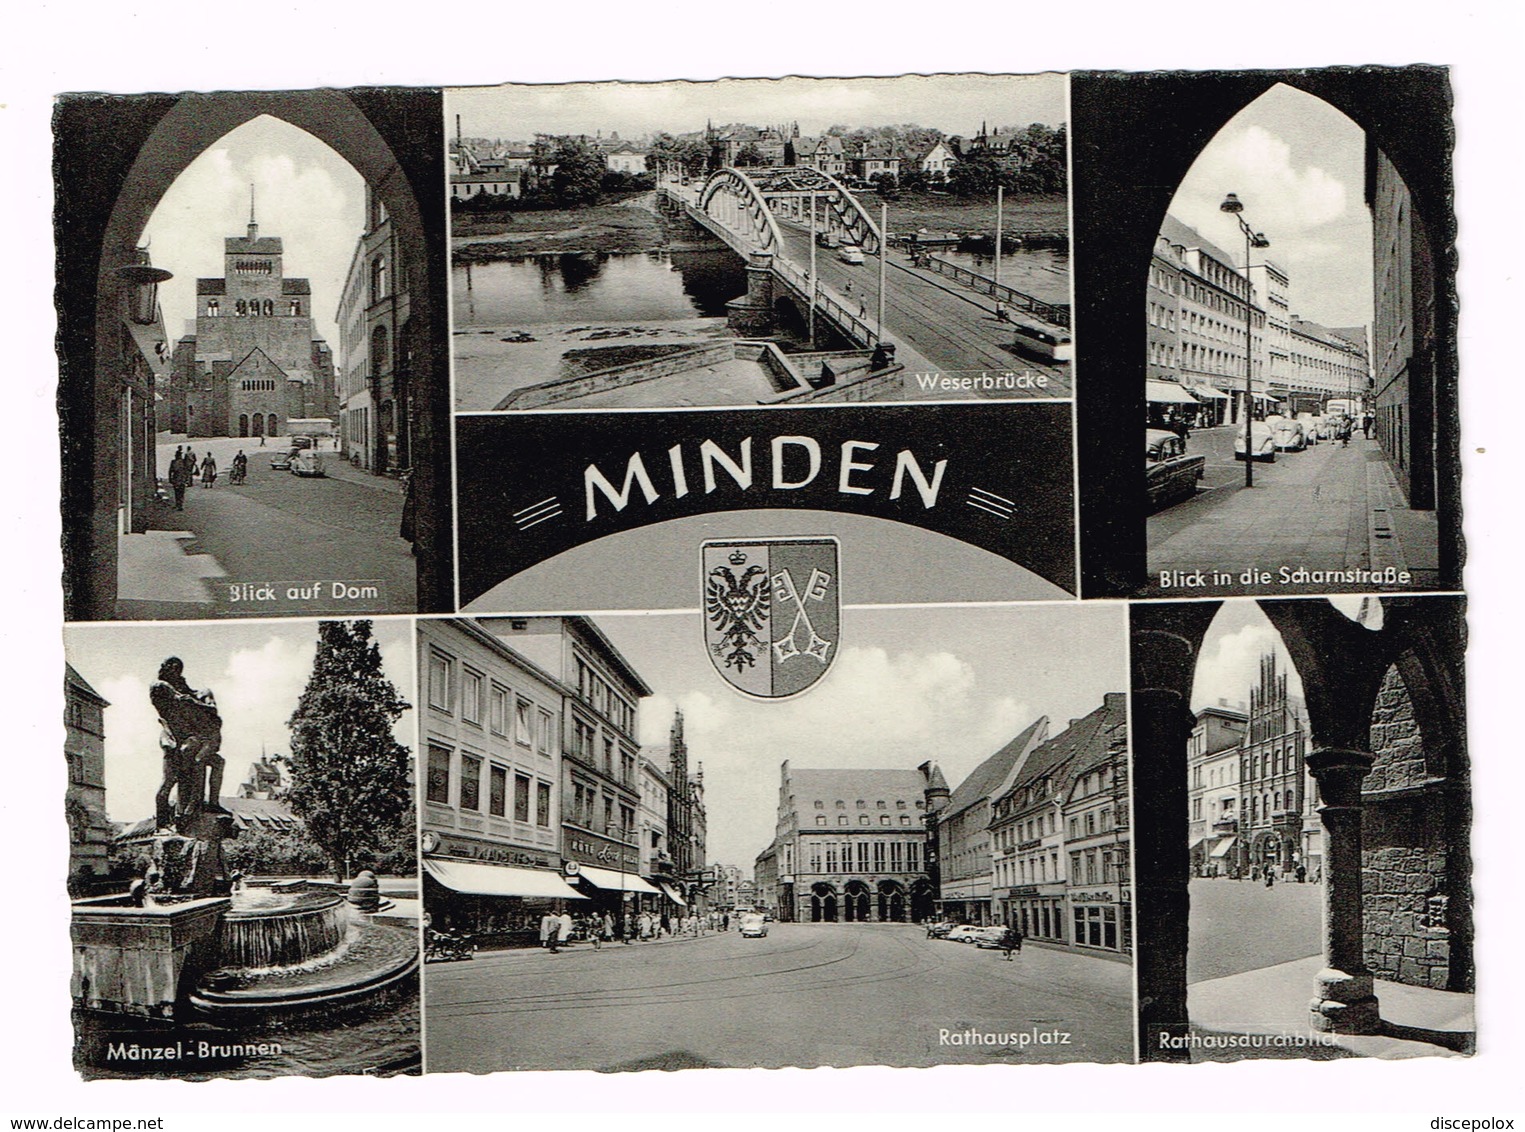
(785, 591)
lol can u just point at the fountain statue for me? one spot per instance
(187, 854)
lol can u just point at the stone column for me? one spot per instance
(1343, 1001)
(752, 314)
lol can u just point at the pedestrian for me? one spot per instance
(563, 928)
(179, 479)
(208, 470)
(1011, 940)
(1270, 876)
(606, 927)
(1302, 873)
(548, 927)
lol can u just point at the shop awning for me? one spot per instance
(1197, 842)
(1264, 397)
(1167, 393)
(477, 879)
(672, 893)
(1209, 392)
(616, 882)
(1224, 846)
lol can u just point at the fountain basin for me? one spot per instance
(299, 927)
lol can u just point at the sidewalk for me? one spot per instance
(1417, 1021)
(1328, 508)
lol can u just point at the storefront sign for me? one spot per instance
(1093, 898)
(601, 854)
(470, 850)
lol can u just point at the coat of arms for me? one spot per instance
(771, 612)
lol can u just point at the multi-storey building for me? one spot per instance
(1163, 305)
(967, 864)
(1213, 298)
(824, 153)
(1272, 778)
(90, 832)
(255, 360)
(848, 846)
(1326, 363)
(1213, 792)
(374, 409)
(1404, 332)
(1273, 287)
(600, 782)
(1029, 823)
(656, 856)
(1098, 836)
(491, 820)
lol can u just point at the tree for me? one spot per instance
(580, 170)
(749, 154)
(887, 185)
(275, 852)
(349, 774)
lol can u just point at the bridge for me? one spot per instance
(938, 322)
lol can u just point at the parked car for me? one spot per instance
(280, 461)
(1170, 474)
(964, 933)
(850, 253)
(754, 925)
(827, 240)
(1262, 443)
(940, 929)
(992, 936)
(303, 442)
(1288, 433)
(1052, 343)
(308, 463)
(1311, 423)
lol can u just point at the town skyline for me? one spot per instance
(953, 104)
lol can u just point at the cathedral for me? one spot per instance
(255, 360)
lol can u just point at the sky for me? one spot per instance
(257, 671)
(304, 192)
(948, 684)
(1297, 165)
(955, 104)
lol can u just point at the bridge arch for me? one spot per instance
(733, 198)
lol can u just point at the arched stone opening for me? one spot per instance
(1345, 669)
(393, 139)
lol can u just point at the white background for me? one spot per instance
(177, 45)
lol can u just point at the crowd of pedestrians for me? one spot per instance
(559, 929)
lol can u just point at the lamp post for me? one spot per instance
(1252, 239)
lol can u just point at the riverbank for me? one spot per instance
(1023, 212)
(628, 226)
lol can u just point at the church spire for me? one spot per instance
(253, 226)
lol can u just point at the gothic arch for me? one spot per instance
(393, 139)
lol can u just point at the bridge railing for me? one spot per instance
(856, 328)
(1048, 312)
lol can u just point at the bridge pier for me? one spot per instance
(752, 314)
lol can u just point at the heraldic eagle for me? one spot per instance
(738, 608)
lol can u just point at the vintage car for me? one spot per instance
(306, 462)
(1313, 427)
(1290, 435)
(1170, 473)
(940, 929)
(1263, 443)
(993, 936)
(828, 240)
(754, 925)
(964, 933)
(281, 459)
(850, 253)
(1048, 342)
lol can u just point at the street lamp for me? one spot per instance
(1252, 239)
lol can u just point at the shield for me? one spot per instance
(772, 612)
